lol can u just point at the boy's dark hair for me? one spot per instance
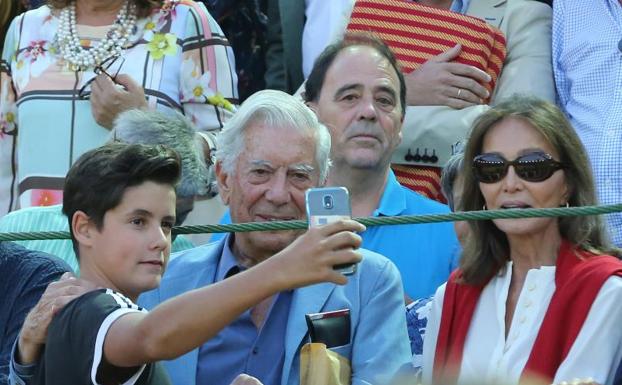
(315, 81)
(97, 181)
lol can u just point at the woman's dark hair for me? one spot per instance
(98, 179)
(487, 249)
(144, 7)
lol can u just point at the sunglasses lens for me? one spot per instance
(489, 168)
(535, 167)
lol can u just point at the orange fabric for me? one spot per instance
(417, 32)
(425, 180)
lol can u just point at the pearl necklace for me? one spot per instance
(112, 44)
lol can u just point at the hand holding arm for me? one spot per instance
(439, 81)
(34, 330)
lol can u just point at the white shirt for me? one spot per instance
(325, 22)
(490, 357)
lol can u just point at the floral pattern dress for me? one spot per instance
(179, 55)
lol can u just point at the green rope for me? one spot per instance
(369, 221)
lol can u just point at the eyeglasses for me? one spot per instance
(535, 166)
(102, 68)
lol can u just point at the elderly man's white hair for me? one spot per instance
(274, 108)
(173, 130)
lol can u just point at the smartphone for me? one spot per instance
(326, 205)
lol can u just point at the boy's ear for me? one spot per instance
(224, 182)
(82, 228)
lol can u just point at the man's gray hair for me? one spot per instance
(173, 130)
(273, 108)
(450, 172)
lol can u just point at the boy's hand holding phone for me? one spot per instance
(311, 258)
(327, 205)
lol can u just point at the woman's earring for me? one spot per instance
(484, 208)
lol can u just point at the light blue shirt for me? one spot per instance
(460, 6)
(424, 254)
(240, 347)
(587, 64)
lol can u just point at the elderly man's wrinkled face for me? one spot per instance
(359, 103)
(275, 168)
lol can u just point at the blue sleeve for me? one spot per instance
(380, 346)
(19, 374)
(30, 274)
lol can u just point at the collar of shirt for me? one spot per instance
(460, 6)
(393, 201)
(228, 265)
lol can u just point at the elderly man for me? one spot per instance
(358, 92)
(269, 153)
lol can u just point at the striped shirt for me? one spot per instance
(74, 350)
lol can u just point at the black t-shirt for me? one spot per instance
(74, 349)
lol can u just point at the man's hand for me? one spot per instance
(34, 330)
(310, 258)
(109, 99)
(439, 82)
(245, 379)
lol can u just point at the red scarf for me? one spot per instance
(579, 275)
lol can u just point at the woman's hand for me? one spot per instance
(109, 99)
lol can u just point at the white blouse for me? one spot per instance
(490, 357)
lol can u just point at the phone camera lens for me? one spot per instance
(328, 202)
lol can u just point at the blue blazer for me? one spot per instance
(379, 339)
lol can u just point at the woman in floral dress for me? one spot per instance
(70, 67)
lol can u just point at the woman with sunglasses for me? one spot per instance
(533, 298)
(70, 67)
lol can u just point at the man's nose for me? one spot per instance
(367, 108)
(278, 191)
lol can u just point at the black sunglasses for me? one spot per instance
(533, 167)
(102, 68)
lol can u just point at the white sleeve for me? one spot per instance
(597, 350)
(431, 334)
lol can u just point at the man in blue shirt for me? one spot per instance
(25, 277)
(358, 92)
(269, 154)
